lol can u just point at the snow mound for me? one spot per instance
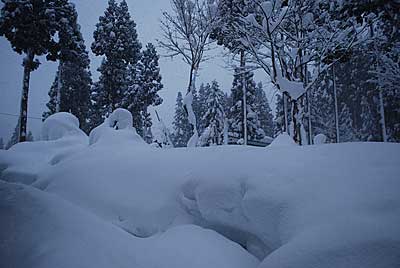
(320, 139)
(120, 119)
(334, 205)
(283, 140)
(341, 198)
(60, 125)
(116, 129)
(42, 230)
(61, 139)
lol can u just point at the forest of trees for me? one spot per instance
(334, 66)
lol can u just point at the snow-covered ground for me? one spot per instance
(121, 203)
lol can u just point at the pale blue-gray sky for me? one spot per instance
(146, 14)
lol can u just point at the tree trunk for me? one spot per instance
(244, 102)
(296, 125)
(310, 134)
(336, 104)
(285, 110)
(187, 105)
(28, 63)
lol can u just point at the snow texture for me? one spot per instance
(293, 88)
(60, 125)
(116, 129)
(42, 230)
(320, 139)
(61, 139)
(188, 101)
(333, 205)
(283, 140)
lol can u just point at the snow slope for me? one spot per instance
(343, 199)
(41, 230)
(330, 205)
(61, 137)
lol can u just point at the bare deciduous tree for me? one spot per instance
(186, 33)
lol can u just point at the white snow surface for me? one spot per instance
(41, 230)
(331, 205)
(116, 129)
(293, 88)
(61, 138)
(60, 125)
(283, 140)
(320, 139)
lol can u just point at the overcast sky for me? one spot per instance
(146, 14)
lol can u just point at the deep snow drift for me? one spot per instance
(290, 206)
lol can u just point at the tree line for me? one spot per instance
(335, 66)
(220, 115)
(129, 75)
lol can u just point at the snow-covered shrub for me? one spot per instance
(320, 139)
(60, 125)
(61, 138)
(117, 128)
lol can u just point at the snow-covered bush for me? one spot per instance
(320, 139)
(117, 128)
(61, 138)
(60, 125)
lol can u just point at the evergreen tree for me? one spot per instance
(147, 134)
(52, 103)
(182, 128)
(254, 130)
(214, 117)
(200, 106)
(33, 27)
(369, 118)
(115, 38)
(347, 132)
(14, 138)
(108, 92)
(264, 111)
(1, 144)
(322, 108)
(279, 122)
(227, 30)
(143, 92)
(71, 89)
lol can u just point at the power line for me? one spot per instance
(15, 115)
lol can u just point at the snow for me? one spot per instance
(293, 88)
(283, 140)
(61, 139)
(60, 125)
(120, 119)
(41, 230)
(267, 8)
(187, 101)
(331, 205)
(320, 139)
(117, 129)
